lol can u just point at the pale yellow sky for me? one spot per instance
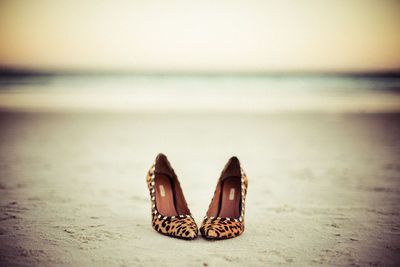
(310, 35)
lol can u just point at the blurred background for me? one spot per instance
(306, 93)
(260, 56)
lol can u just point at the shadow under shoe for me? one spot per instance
(225, 215)
(170, 213)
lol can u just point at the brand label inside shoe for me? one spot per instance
(232, 194)
(162, 191)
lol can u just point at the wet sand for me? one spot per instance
(323, 188)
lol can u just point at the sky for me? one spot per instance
(201, 36)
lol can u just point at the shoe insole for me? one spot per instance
(230, 198)
(165, 195)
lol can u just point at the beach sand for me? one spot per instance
(323, 188)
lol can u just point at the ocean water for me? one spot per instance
(201, 93)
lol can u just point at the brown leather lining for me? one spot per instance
(165, 204)
(173, 191)
(230, 208)
(221, 205)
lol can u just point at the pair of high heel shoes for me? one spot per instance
(171, 215)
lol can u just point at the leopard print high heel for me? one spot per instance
(169, 211)
(225, 215)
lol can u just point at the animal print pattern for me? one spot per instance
(181, 226)
(184, 228)
(222, 228)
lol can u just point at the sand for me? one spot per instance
(323, 188)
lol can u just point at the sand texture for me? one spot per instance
(323, 189)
